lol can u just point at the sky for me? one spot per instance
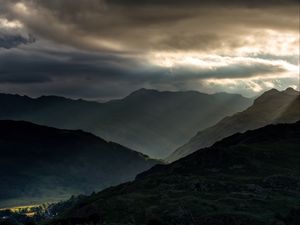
(105, 49)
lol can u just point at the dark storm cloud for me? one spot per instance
(23, 78)
(46, 65)
(13, 40)
(151, 25)
(78, 66)
(188, 3)
(204, 2)
(95, 76)
(100, 49)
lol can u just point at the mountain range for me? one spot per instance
(150, 121)
(271, 107)
(41, 164)
(246, 179)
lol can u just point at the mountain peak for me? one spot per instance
(273, 106)
(267, 95)
(143, 91)
(271, 92)
(290, 91)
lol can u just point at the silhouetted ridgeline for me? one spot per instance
(148, 121)
(40, 163)
(270, 108)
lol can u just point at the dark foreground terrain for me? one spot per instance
(246, 179)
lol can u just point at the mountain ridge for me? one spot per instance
(41, 163)
(272, 106)
(150, 121)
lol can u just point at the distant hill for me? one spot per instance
(270, 108)
(40, 163)
(251, 179)
(149, 121)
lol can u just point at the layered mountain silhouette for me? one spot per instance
(251, 179)
(270, 108)
(40, 164)
(149, 121)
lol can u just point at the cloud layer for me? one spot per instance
(105, 49)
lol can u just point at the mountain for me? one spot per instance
(251, 179)
(149, 121)
(270, 108)
(40, 163)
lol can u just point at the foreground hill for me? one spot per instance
(270, 108)
(40, 163)
(150, 121)
(246, 179)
